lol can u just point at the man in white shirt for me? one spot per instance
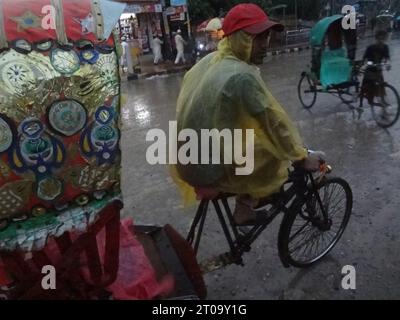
(125, 54)
(157, 42)
(180, 46)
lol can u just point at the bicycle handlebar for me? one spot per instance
(361, 67)
(319, 154)
(322, 161)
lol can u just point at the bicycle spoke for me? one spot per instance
(335, 210)
(324, 239)
(314, 241)
(336, 205)
(290, 239)
(306, 242)
(303, 247)
(331, 193)
(303, 236)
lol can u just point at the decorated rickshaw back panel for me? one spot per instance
(59, 111)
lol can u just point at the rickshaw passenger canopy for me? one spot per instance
(318, 32)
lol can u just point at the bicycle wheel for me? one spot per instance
(304, 236)
(348, 95)
(307, 91)
(386, 110)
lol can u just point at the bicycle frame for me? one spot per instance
(240, 243)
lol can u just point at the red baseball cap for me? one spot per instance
(250, 18)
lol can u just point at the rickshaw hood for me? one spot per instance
(319, 30)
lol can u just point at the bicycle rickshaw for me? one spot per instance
(334, 70)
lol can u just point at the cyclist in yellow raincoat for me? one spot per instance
(225, 91)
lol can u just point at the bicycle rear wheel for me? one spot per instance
(307, 91)
(305, 237)
(386, 110)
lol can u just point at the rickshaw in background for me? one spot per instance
(335, 70)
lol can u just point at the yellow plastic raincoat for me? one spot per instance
(225, 91)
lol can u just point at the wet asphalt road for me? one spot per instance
(359, 151)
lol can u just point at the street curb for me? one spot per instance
(163, 72)
(287, 50)
(186, 68)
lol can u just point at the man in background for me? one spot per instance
(157, 43)
(180, 48)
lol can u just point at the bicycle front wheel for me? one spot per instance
(386, 108)
(305, 237)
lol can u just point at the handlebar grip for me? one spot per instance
(320, 154)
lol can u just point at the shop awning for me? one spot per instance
(202, 26)
(214, 25)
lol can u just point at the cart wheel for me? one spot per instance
(349, 95)
(386, 108)
(307, 91)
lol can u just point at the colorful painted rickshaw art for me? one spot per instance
(59, 110)
(100, 138)
(36, 150)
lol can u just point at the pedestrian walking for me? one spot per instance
(124, 55)
(157, 43)
(180, 47)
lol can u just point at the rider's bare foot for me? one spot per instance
(246, 214)
(243, 213)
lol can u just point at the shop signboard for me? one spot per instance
(138, 8)
(170, 11)
(177, 3)
(177, 17)
(158, 8)
(175, 10)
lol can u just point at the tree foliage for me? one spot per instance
(201, 10)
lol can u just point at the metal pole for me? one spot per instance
(296, 14)
(188, 21)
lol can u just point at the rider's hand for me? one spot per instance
(313, 161)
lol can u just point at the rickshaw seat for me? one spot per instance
(335, 67)
(210, 194)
